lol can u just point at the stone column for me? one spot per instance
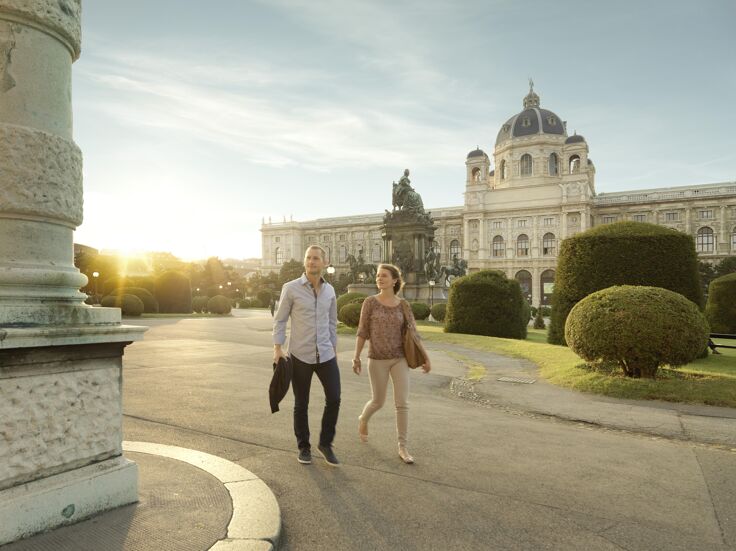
(60, 360)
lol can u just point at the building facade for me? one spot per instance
(539, 189)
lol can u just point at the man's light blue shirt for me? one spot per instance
(313, 336)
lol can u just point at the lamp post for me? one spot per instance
(331, 273)
(431, 293)
(96, 275)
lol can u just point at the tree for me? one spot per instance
(290, 270)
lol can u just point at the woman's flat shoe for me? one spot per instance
(405, 455)
(362, 430)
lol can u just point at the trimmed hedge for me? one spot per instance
(264, 297)
(539, 320)
(356, 300)
(174, 293)
(639, 328)
(487, 303)
(347, 298)
(439, 311)
(130, 305)
(199, 304)
(420, 310)
(150, 306)
(721, 308)
(622, 253)
(350, 313)
(219, 304)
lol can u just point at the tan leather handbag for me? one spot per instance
(412, 351)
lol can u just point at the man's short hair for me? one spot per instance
(320, 249)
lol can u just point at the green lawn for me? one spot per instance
(710, 380)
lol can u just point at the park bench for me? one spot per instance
(712, 345)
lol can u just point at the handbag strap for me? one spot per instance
(405, 309)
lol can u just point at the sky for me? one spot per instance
(198, 120)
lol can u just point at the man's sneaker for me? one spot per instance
(305, 456)
(329, 455)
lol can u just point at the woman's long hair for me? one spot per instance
(395, 274)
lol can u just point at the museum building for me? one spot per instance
(539, 189)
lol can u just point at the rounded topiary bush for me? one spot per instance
(219, 304)
(245, 303)
(623, 253)
(439, 311)
(150, 305)
(114, 283)
(539, 320)
(199, 304)
(130, 305)
(350, 314)
(420, 310)
(174, 293)
(487, 303)
(639, 328)
(358, 300)
(721, 308)
(347, 298)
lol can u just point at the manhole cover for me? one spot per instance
(516, 380)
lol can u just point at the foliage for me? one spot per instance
(439, 311)
(347, 298)
(721, 307)
(623, 253)
(245, 303)
(420, 310)
(130, 305)
(709, 272)
(114, 283)
(150, 306)
(341, 284)
(199, 304)
(264, 297)
(487, 303)
(350, 314)
(219, 304)
(539, 320)
(356, 300)
(640, 328)
(174, 293)
(290, 270)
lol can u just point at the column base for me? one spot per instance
(66, 498)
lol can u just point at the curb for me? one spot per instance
(256, 521)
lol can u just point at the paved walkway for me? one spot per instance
(499, 465)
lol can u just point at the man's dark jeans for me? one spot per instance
(301, 382)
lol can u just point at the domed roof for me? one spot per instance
(575, 138)
(532, 120)
(477, 153)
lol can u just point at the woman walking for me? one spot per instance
(382, 320)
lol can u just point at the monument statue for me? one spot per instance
(458, 268)
(403, 257)
(405, 198)
(432, 264)
(360, 266)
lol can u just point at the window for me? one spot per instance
(554, 165)
(526, 122)
(341, 237)
(706, 214)
(551, 120)
(476, 174)
(454, 249)
(497, 224)
(671, 216)
(326, 237)
(549, 221)
(526, 164)
(473, 224)
(574, 164)
(503, 170)
(358, 235)
(343, 254)
(639, 218)
(499, 250)
(521, 223)
(549, 244)
(327, 254)
(311, 239)
(276, 239)
(376, 253)
(704, 240)
(609, 219)
(522, 245)
(279, 256)
(525, 282)
(733, 240)
(547, 284)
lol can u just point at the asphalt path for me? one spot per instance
(484, 478)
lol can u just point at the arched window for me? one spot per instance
(525, 282)
(522, 245)
(376, 253)
(454, 249)
(547, 285)
(343, 253)
(502, 170)
(554, 165)
(549, 244)
(499, 249)
(733, 240)
(327, 253)
(279, 254)
(704, 240)
(526, 164)
(476, 174)
(574, 164)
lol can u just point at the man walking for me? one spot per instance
(310, 302)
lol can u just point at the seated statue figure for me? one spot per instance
(405, 197)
